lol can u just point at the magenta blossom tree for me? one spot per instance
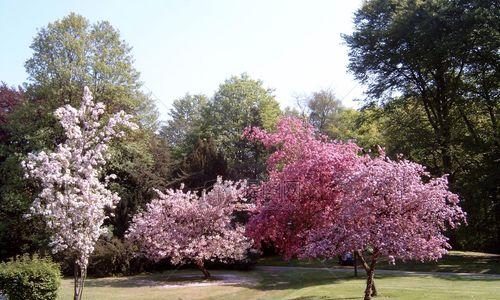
(300, 192)
(393, 208)
(187, 228)
(73, 196)
(346, 202)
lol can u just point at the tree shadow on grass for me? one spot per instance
(262, 280)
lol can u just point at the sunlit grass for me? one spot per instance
(286, 284)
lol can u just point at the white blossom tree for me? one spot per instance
(74, 193)
(187, 228)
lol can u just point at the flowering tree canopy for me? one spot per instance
(393, 208)
(301, 189)
(73, 197)
(386, 205)
(344, 202)
(185, 227)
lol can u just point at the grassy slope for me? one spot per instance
(289, 284)
(455, 261)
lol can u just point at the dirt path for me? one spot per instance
(186, 280)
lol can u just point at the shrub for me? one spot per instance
(112, 257)
(28, 278)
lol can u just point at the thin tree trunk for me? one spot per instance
(367, 269)
(370, 285)
(76, 287)
(80, 274)
(201, 266)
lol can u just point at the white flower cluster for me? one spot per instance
(73, 198)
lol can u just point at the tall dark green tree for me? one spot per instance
(199, 168)
(183, 128)
(442, 58)
(16, 233)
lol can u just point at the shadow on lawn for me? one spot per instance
(454, 262)
(263, 280)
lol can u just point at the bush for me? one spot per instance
(28, 278)
(111, 257)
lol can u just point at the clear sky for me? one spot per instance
(192, 46)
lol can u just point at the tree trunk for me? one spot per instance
(80, 274)
(201, 265)
(369, 285)
(367, 270)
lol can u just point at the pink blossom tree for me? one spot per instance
(344, 202)
(73, 196)
(393, 208)
(300, 192)
(187, 228)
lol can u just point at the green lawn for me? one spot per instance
(287, 284)
(455, 261)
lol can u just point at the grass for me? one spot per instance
(303, 284)
(455, 262)
(308, 284)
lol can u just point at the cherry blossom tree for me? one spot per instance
(74, 195)
(187, 228)
(346, 202)
(393, 208)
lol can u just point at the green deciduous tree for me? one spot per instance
(240, 102)
(326, 113)
(323, 109)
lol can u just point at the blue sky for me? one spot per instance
(192, 46)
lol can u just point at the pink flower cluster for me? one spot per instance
(73, 197)
(343, 201)
(185, 227)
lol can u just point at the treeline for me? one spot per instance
(431, 70)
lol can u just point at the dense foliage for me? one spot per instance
(219, 121)
(28, 278)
